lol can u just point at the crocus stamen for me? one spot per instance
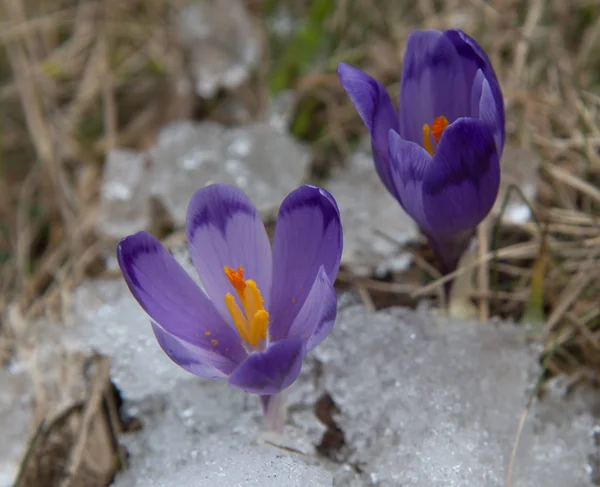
(427, 139)
(252, 320)
(437, 129)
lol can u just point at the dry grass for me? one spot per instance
(79, 78)
(76, 443)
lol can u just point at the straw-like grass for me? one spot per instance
(78, 78)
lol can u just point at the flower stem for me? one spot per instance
(449, 250)
(275, 412)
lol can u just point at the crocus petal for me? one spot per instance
(433, 84)
(196, 360)
(461, 183)
(224, 229)
(172, 299)
(488, 113)
(474, 58)
(408, 162)
(476, 93)
(377, 111)
(316, 318)
(308, 235)
(271, 371)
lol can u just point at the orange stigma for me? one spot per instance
(252, 320)
(437, 129)
(236, 278)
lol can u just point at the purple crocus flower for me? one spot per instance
(439, 156)
(261, 309)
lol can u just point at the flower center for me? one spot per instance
(252, 320)
(436, 129)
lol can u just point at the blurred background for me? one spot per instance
(113, 112)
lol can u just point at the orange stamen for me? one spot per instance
(427, 139)
(252, 320)
(436, 130)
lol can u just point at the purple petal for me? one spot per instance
(375, 107)
(316, 318)
(308, 235)
(271, 371)
(433, 84)
(461, 182)
(474, 58)
(224, 230)
(408, 163)
(172, 299)
(196, 360)
(488, 113)
(484, 107)
(476, 93)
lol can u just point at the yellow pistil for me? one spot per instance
(437, 129)
(252, 320)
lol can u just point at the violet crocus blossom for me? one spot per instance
(261, 309)
(439, 156)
